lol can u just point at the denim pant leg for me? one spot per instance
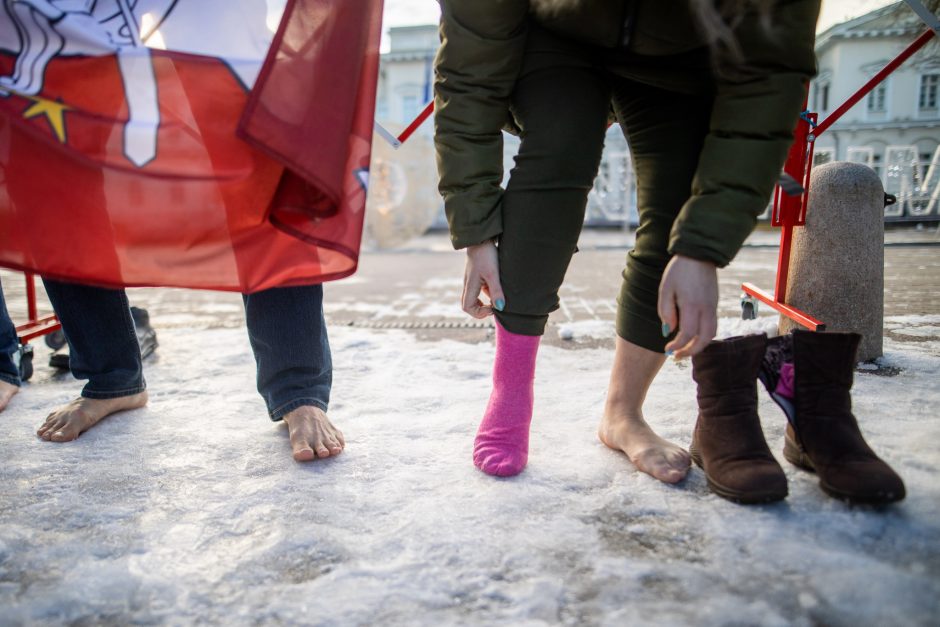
(292, 353)
(9, 345)
(103, 345)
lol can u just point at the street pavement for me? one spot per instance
(417, 288)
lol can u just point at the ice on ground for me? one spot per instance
(587, 329)
(913, 319)
(406, 306)
(444, 283)
(192, 511)
(924, 331)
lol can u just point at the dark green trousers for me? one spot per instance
(561, 103)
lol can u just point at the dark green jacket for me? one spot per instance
(756, 104)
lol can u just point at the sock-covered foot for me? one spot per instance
(501, 447)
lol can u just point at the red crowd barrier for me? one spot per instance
(789, 212)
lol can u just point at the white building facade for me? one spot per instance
(895, 130)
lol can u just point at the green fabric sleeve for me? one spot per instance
(755, 110)
(482, 44)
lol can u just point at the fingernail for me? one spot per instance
(665, 330)
(669, 353)
(500, 304)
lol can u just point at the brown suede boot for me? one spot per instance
(823, 434)
(728, 443)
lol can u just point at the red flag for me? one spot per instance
(187, 145)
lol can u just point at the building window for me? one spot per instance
(381, 109)
(929, 86)
(877, 97)
(821, 97)
(409, 107)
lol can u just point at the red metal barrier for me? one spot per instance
(790, 211)
(35, 326)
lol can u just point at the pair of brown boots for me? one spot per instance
(822, 433)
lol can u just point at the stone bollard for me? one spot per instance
(837, 260)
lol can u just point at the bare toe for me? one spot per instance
(63, 435)
(650, 453)
(660, 465)
(71, 420)
(312, 434)
(333, 444)
(304, 453)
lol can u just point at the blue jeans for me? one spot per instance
(287, 332)
(286, 329)
(102, 341)
(9, 345)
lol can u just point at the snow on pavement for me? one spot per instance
(192, 510)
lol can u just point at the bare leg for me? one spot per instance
(7, 391)
(69, 421)
(623, 427)
(312, 435)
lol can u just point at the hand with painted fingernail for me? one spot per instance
(482, 276)
(688, 303)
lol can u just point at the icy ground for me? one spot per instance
(192, 511)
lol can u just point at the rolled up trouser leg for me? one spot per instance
(665, 131)
(103, 345)
(561, 101)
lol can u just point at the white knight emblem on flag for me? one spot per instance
(37, 31)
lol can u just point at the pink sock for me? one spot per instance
(501, 447)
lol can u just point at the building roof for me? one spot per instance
(894, 20)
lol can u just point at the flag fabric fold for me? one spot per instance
(217, 144)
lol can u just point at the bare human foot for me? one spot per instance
(650, 453)
(7, 391)
(623, 427)
(69, 421)
(312, 435)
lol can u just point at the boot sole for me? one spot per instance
(794, 454)
(730, 494)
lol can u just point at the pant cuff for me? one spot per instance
(10, 379)
(86, 393)
(282, 410)
(521, 324)
(641, 331)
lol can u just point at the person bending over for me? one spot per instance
(707, 94)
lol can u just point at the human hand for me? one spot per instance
(482, 275)
(688, 298)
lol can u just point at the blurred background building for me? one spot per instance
(895, 130)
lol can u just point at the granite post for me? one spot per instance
(837, 260)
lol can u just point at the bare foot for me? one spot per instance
(312, 435)
(7, 391)
(69, 421)
(650, 453)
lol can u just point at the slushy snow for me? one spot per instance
(191, 510)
